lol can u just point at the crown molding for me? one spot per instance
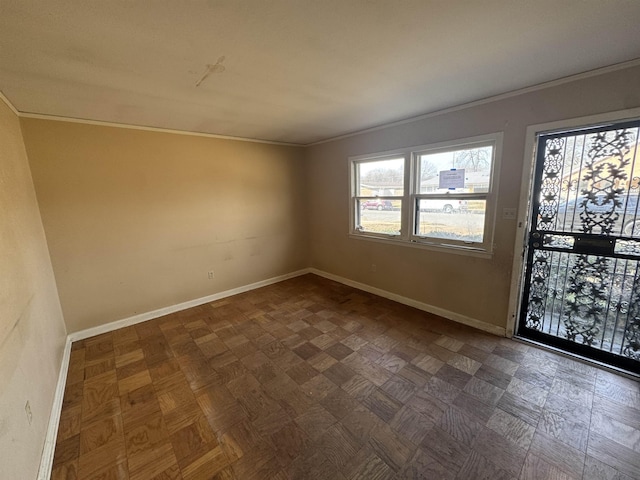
(514, 93)
(495, 98)
(9, 104)
(58, 118)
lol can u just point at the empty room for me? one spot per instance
(337, 239)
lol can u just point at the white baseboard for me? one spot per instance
(46, 462)
(456, 317)
(143, 317)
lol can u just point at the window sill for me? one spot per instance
(454, 249)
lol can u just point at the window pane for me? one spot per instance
(447, 205)
(467, 170)
(380, 178)
(384, 219)
(464, 220)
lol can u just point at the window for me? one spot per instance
(379, 191)
(440, 196)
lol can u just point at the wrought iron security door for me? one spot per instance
(582, 280)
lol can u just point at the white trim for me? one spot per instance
(143, 317)
(453, 249)
(528, 164)
(46, 462)
(455, 108)
(522, 222)
(495, 98)
(410, 155)
(57, 118)
(456, 317)
(9, 104)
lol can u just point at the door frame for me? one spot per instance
(523, 222)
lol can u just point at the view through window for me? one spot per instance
(379, 194)
(454, 207)
(438, 195)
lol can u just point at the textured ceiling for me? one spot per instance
(295, 71)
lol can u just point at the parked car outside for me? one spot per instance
(376, 204)
(628, 211)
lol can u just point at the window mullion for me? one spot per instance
(413, 191)
(404, 224)
(462, 218)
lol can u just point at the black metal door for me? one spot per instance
(582, 279)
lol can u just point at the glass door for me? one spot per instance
(582, 287)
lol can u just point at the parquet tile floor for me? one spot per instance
(310, 379)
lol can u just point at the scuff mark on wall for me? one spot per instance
(17, 322)
(13, 344)
(198, 246)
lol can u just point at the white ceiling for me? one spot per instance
(295, 71)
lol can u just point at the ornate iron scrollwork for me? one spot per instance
(589, 281)
(631, 347)
(604, 169)
(569, 185)
(538, 290)
(551, 183)
(583, 276)
(587, 291)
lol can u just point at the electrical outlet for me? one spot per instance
(374, 267)
(210, 275)
(27, 409)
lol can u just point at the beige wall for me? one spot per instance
(474, 287)
(32, 332)
(135, 219)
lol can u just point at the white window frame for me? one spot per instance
(353, 177)
(411, 197)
